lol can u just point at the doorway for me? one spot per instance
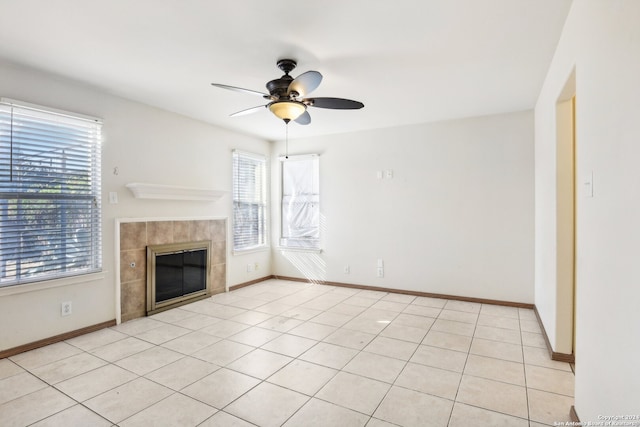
(566, 220)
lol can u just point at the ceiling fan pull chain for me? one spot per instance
(286, 150)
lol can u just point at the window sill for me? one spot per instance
(251, 251)
(49, 284)
(307, 250)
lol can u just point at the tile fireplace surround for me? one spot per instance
(136, 235)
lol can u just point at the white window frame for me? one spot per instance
(250, 232)
(50, 191)
(300, 202)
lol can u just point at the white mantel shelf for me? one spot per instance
(172, 192)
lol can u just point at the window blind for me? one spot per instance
(249, 201)
(300, 202)
(50, 219)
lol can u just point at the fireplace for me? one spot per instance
(178, 273)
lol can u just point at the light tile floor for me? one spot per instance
(284, 353)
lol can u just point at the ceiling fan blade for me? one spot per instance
(305, 83)
(239, 89)
(303, 119)
(334, 103)
(248, 111)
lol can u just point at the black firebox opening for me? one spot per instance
(180, 273)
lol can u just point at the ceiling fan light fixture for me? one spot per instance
(287, 110)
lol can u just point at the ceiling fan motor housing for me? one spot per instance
(279, 87)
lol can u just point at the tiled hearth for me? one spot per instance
(134, 238)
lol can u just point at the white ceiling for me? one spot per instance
(408, 61)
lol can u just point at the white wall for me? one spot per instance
(601, 39)
(457, 217)
(146, 145)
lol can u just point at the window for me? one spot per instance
(300, 202)
(249, 201)
(49, 194)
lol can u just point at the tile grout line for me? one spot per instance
(524, 368)
(297, 358)
(61, 392)
(455, 399)
(262, 381)
(393, 384)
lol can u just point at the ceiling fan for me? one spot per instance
(287, 96)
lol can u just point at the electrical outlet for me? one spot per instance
(256, 266)
(249, 268)
(380, 272)
(347, 269)
(65, 308)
